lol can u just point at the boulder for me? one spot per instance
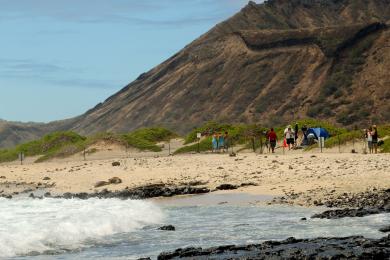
(167, 228)
(116, 164)
(115, 180)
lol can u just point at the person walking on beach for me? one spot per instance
(214, 142)
(375, 137)
(221, 142)
(304, 133)
(226, 139)
(369, 139)
(272, 138)
(289, 135)
(296, 134)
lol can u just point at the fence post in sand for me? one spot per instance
(261, 143)
(338, 136)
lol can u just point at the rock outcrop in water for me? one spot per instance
(143, 192)
(365, 203)
(320, 248)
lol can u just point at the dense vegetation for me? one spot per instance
(62, 144)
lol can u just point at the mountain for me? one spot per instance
(270, 63)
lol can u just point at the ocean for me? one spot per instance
(128, 229)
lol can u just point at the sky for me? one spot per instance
(59, 58)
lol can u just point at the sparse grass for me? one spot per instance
(63, 144)
(47, 146)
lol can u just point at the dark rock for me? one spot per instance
(245, 184)
(143, 192)
(303, 219)
(101, 183)
(343, 213)
(46, 178)
(116, 164)
(355, 247)
(232, 154)
(3, 177)
(47, 194)
(226, 187)
(115, 180)
(167, 228)
(385, 229)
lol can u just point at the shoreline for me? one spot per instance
(336, 181)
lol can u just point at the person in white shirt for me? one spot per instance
(289, 134)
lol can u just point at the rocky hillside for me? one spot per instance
(271, 62)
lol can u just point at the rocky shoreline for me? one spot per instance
(355, 247)
(142, 192)
(343, 205)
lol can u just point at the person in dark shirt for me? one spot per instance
(304, 132)
(272, 139)
(296, 133)
(375, 137)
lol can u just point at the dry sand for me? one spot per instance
(275, 174)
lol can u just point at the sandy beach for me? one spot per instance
(311, 174)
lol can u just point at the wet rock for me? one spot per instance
(115, 180)
(143, 192)
(167, 228)
(226, 187)
(303, 219)
(116, 164)
(385, 229)
(343, 213)
(355, 247)
(47, 194)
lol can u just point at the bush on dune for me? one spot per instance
(47, 146)
(63, 144)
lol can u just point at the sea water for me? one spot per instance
(128, 229)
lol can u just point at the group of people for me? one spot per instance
(371, 135)
(220, 142)
(290, 135)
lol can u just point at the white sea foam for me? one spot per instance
(52, 224)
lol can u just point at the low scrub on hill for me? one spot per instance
(47, 146)
(63, 144)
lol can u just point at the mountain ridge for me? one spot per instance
(270, 63)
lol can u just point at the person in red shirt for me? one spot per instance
(272, 138)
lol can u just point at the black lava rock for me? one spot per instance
(385, 229)
(355, 247)
(167, 228)
(226, 187)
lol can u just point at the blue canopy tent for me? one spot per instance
(318, 132)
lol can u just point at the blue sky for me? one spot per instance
(59, 58)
